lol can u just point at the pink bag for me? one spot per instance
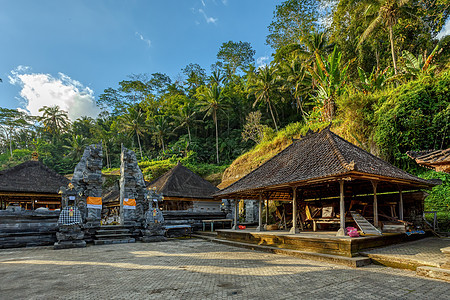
(352, 232)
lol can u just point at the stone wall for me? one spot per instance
(27, 228)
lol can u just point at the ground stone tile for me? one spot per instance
(196, 269)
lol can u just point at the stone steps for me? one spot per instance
(353, 262)
(114, 235)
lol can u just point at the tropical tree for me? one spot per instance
(422, 64)
(294, 19)
(387, 13)
(331, 76)
(160, 128)
(236, 55)
(133, 123)
(54, 119)
(213, 101)
(186, 118)
(12, 120)
(263, 85)
(376, 80)
(76, 146)
(298, 82)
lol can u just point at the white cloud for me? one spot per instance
(445, 30)
(203, 3)
(142, 38)
(225, 2)
(262, 61)
(208, 19)
(40, 90)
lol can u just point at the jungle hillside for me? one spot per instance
(378, 71)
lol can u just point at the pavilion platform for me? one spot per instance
(325, 242)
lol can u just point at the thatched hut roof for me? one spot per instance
(31, 177)
(434, 159)
(180, 182)
(320, 158)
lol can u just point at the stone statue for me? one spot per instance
(154, 220)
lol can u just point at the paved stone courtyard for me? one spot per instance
(426, 251)
(196, 269)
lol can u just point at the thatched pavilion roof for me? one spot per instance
(315, 163)
(182, 183)
(31, 177)
(435, 159)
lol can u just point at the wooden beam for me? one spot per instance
(260, 226)
(400, 203)
(16, 194)
(375, 204)
(236, 213)
(341, 231)
(294, 229)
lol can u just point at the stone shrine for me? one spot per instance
(154, 220)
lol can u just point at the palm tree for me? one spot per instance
(263, 85)
(213, 101)
(160, 129)
(186, 118)
(77, 145)
(54, 119)
(133, 123)
(298, 81)
(388, 12)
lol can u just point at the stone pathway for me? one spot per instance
(196, 269)
(422, 252)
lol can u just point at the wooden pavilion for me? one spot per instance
(439, 160)
(31, 185)
(325, 169)
(182, 189)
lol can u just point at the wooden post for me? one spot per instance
(341, 231)
(294, 229)
(260, 217)
(267, 211)
(236, 213)
(375, 204)
(400, 203)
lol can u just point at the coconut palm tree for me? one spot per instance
(263, 85)
(387, 13)
(298, 81)
(133, 123)
(160, 129)
(212, 101)
(77, 145)
(54, 119)
(186, 118)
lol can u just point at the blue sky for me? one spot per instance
(67, 52)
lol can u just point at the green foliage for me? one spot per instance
(294, 19)
(439, 198)
(415, 116)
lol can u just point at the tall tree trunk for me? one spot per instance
(139, 142)
(217, 136)
(189, 133)
(10, 145)
(391, 38)
(273, 117)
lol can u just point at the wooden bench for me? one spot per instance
(213, 221)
